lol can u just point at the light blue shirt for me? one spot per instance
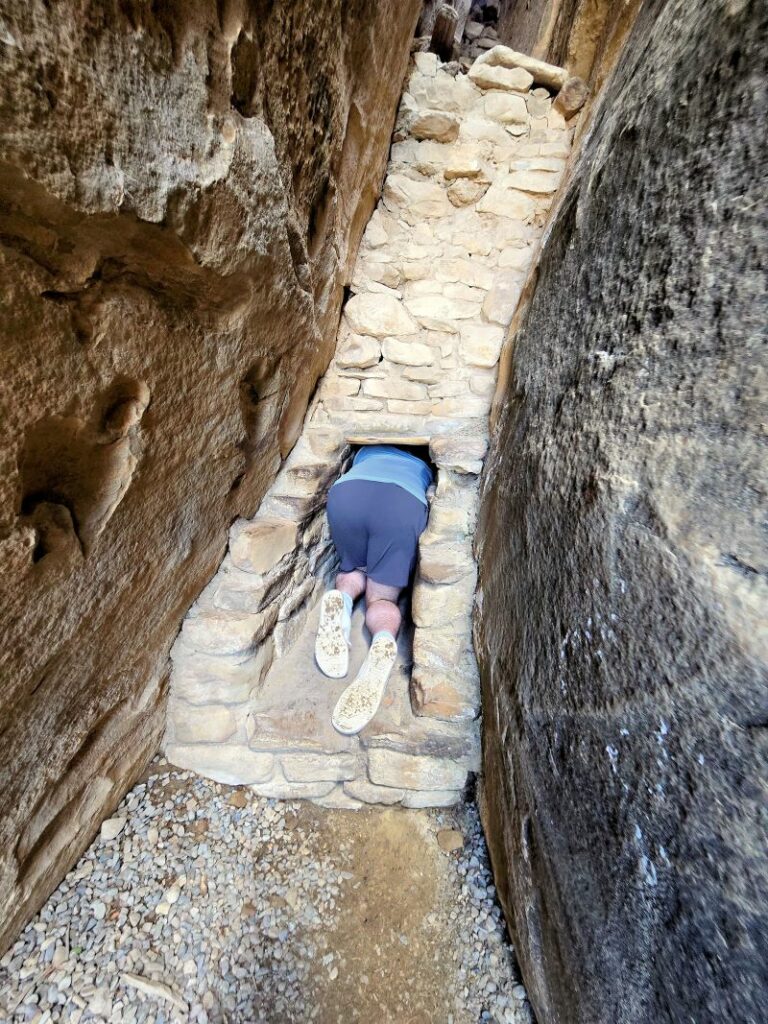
(388, 465)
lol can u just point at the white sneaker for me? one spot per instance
(332, 641)
(360, 701)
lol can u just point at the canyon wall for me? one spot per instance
(621, 619)
(183, 189)
(580, 35)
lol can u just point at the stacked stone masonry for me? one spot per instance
(475, 163)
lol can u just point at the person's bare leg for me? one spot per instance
(360, 701)
(382, 613)
(352, 583)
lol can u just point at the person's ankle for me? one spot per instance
(383, 633)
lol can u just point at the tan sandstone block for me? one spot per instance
(201, 724)
(432, 798)
(483, 385)
(338, 800)
(463, 163)
(438, 125)
(496, 144)
(346, 405)
(368, 271)
(375, 233)
(318, 767)
(438, 313)
(445, 648)
(221, 632)
(395, 387)
(279, 788)
(358, 352)
(443, 695)
(505, 201)
(543, 74)
(444, 92)
(487, 76)
(445, 562)
(481, 344)
(423, 374)
(378, 315)
(571, 97)
(506, 109)
(461, 451)
(414, 200)
(368, 793)
(501, 301)
(413, 771)
(232, 764)
(428, 158)
(400, 407)
(460, 408)
(465, 191)
(555, 120)
(441, 606)
(538, 106)
(257, 546)
(339, 387)
(545, 162)
(448, 389)
(461, 290)
(540, 182)
(470, 272)
(449, 521)
(516, 259)
(426, 64)
(408, 353)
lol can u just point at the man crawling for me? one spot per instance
(376, 512)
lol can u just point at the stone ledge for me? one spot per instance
(232, 764)
(413, 771)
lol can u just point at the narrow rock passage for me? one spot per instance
(211, 904)
(474, 167)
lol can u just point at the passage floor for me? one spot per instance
(215, 905)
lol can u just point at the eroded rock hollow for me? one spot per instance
(183, 190)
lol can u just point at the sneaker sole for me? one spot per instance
(331, 644)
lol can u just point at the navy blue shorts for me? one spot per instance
(376, 527)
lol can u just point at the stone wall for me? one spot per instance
(622, 633)
(183, 190)
(475, 165)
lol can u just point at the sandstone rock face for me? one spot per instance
(183, 190)
(622, 636)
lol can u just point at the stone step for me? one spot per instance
(290, 717)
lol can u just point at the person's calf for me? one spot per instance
(383, 616)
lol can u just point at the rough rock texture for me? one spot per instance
(183, 189)
(574, 33)
(623, 571)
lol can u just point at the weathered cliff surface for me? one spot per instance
(580, 35)
(623, 568)
(183, 190)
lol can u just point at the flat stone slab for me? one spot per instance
(292, 711)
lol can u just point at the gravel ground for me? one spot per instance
(212, 905)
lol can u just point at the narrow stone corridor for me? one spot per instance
(475, 163)
(203, 903)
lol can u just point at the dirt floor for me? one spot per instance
(204, 904)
